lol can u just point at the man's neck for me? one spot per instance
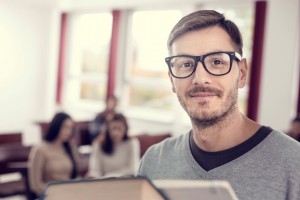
(230, 132)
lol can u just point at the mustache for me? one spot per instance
(198, 89)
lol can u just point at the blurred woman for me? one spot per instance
(54, 158)
(97, 126)
(116, 154)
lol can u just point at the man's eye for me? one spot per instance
(186, 65)
(217, 62)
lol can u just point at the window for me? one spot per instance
(87, 62)
(147, 86)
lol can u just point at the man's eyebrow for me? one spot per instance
(183, 54)
(216, 50)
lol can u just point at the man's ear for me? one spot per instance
(243, 73)
(171, 79)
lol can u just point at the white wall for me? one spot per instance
(28, 60)
(24, 62)
(279, 86)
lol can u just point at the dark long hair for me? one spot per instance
(52, 134)
(107, 143)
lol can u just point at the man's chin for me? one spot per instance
(203, 116)
(205, 121)
(202, 112)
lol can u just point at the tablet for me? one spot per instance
(196, 189)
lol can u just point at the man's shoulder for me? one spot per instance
(283, 139)
(285, 145)
(284, 151)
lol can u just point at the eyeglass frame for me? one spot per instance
(232, 55)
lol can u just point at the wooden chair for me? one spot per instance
(146, 140)
(11, 154)
(11, 138)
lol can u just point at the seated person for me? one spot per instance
(294, 131)
(97, 126)
(116, 154)
(54, 158)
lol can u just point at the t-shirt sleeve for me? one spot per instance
(37, 160)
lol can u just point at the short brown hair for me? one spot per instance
(202, 19)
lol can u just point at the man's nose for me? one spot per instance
(201, 76)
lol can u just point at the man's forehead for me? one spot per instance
(202, 41)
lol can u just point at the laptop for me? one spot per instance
(125, 188)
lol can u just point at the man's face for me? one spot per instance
(205, 97)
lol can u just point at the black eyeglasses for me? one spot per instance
(215, 63)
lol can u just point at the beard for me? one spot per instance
(204, 119)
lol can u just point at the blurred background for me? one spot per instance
(70, 54)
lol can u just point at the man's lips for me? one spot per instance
(203, 94)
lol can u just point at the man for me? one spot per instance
(206, 70)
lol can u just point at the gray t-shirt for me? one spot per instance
(269, 171)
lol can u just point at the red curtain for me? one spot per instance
(256, 62)
(113, 53)
(62, 43)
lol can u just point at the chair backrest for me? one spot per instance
(12, 153)
(146, 140)
(84, 137)
(9, 138)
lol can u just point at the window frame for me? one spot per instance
(77, 103)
